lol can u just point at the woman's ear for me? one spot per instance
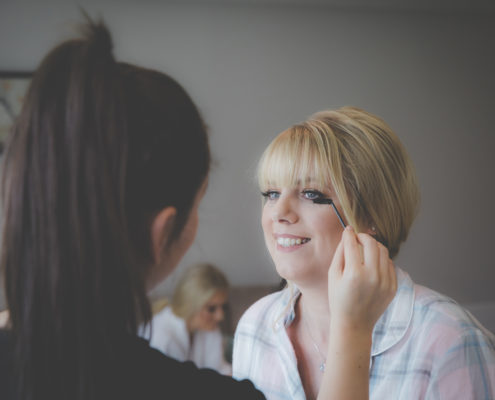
(371, 231)
(161, 229)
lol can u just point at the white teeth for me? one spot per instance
(289, 242)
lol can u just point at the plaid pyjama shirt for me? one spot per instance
(425, 346)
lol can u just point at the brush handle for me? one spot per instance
(330, 202)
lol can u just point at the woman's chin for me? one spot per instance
(209, 328)
(302, 275)
(291, 273)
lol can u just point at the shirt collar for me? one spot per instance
(390, 327)
(394, 322)
(283, 314)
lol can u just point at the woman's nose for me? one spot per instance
(283, 211)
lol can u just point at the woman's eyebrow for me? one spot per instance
(315, 182)
(307, 181)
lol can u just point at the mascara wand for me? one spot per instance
(330, 202)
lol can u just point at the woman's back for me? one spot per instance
(95, 213)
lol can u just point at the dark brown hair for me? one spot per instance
(98, 150)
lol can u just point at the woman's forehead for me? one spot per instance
(293, 173)
(305, 181)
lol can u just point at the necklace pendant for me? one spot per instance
(322, 367)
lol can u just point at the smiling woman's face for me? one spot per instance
(300, 235)
(211, 314)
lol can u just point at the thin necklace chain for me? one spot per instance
(323, 358)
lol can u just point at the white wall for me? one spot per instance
(255, 70)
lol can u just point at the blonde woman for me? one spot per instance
(188, 329)
(346, 167)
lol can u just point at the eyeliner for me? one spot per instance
(330, 202)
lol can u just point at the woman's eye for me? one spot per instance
(312, 194)
(271, 194)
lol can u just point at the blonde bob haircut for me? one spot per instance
(358, 155)
(196, 286)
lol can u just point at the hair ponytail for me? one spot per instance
(79, 190)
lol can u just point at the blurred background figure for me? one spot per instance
(189, 327)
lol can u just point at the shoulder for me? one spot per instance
(460, 349)
(442, 318)
(160, 376)
(439, 325)
(430, 305)
(169, 334)
(421, 317)
(423, 308)
(166, 324)
(166, 318)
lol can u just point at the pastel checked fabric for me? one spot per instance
(425, 346)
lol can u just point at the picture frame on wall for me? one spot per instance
(13, 87)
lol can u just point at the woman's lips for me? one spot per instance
(287, 241)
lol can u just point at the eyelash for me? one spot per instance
(267, 195)
(317, 194)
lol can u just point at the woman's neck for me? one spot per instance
(309, 336)
(190, 328)
(313, 309)
(190, 331)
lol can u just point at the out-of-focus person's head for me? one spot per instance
(98, 151)
(200, 297)
(356, 154)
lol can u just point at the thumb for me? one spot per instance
(352, 252)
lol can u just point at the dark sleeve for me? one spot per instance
(152, 375)
(208, 384)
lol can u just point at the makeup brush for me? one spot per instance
(330, 202)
